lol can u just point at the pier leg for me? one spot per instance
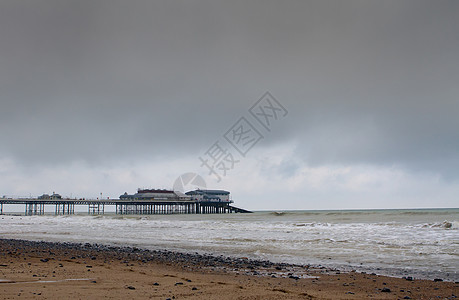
(97, 209)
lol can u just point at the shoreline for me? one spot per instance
(59, 269)
(229, 263)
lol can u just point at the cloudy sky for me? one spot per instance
(108, 96)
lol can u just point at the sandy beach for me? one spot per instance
(44, 270)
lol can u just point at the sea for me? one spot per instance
(422, 243)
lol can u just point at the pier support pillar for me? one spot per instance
(65, 209)
(96, 208)
(32, 209)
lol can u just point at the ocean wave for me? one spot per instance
(279, 213)
(445, 224)
(424, 212)
(357, 212)
(313, 224)
(348, 213)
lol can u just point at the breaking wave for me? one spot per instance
(445, 224)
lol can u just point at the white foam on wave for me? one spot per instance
(445, 224)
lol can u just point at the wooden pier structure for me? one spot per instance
(34, 206)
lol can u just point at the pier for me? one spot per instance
(35, 206)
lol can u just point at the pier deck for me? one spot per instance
(34, 206)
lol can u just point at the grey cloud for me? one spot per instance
(364, 81)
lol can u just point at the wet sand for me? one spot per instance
(44, 270)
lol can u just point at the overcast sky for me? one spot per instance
(109, 96)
